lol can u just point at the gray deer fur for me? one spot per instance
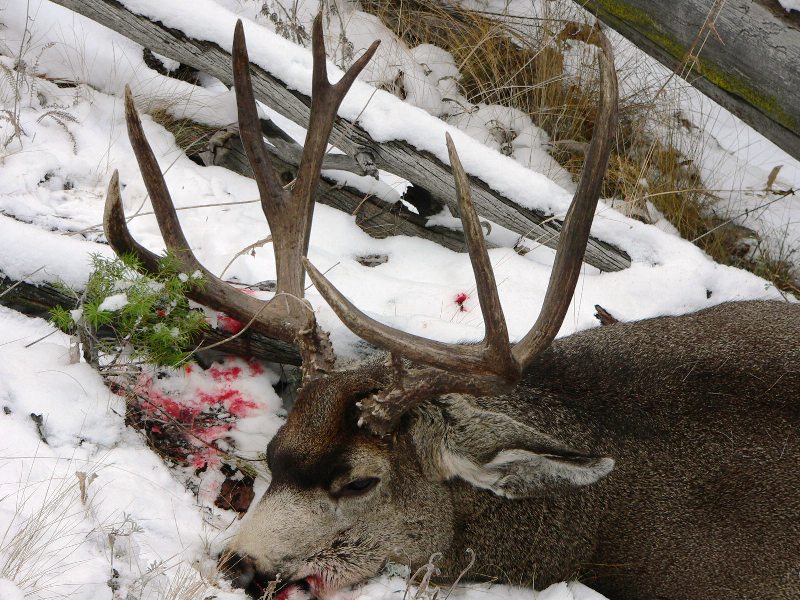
(658, 459)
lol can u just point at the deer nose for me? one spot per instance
(241, 570)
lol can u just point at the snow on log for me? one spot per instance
(375, 217)
(421, 168)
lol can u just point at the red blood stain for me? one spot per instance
(460, 299)
(217, 397)
(225, 373)
(206, 458)
(193, 416)
(229, 324)
(255, 368)
(160, 405)
(240, 407)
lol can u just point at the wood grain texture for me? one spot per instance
(747, 54)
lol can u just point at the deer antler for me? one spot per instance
(287, 316)
(494, 365)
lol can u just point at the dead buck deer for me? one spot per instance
(657, 459)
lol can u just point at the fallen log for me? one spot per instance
(420, 168)
(744, 54)
(37, 300)
(375, 217)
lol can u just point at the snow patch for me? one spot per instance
(114, 302)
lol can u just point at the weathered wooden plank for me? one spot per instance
(420, 168)
(747, 54)
(375, 217)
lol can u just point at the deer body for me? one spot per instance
(656, 459)
(703, 500)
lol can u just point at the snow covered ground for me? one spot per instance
(134, 526)
(134, 531)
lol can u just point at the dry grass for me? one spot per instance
(55, 530)
(191, 136)
(521, 63)
(32, 544)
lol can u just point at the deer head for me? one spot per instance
(360, 469)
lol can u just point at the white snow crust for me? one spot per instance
(789, 5)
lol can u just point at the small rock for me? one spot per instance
(372, 260)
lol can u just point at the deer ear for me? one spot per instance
(493, 451)
(521, 473)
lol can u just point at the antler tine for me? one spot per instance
(157, 188)
(492, 358)
(325, 101)
(290, 214)
(269, 188)
(116, 229)
(578, 222)
(497, 347)
(289, 223)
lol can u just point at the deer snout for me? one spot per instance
(241, 570)
(243, 573)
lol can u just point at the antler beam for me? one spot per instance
(493, 365)
(287, 317)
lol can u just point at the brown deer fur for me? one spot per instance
(701, 414)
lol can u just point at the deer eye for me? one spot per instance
(358, 487)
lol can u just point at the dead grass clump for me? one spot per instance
(190, 136)
(543, 67)
(499, 62)
(778, 269)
